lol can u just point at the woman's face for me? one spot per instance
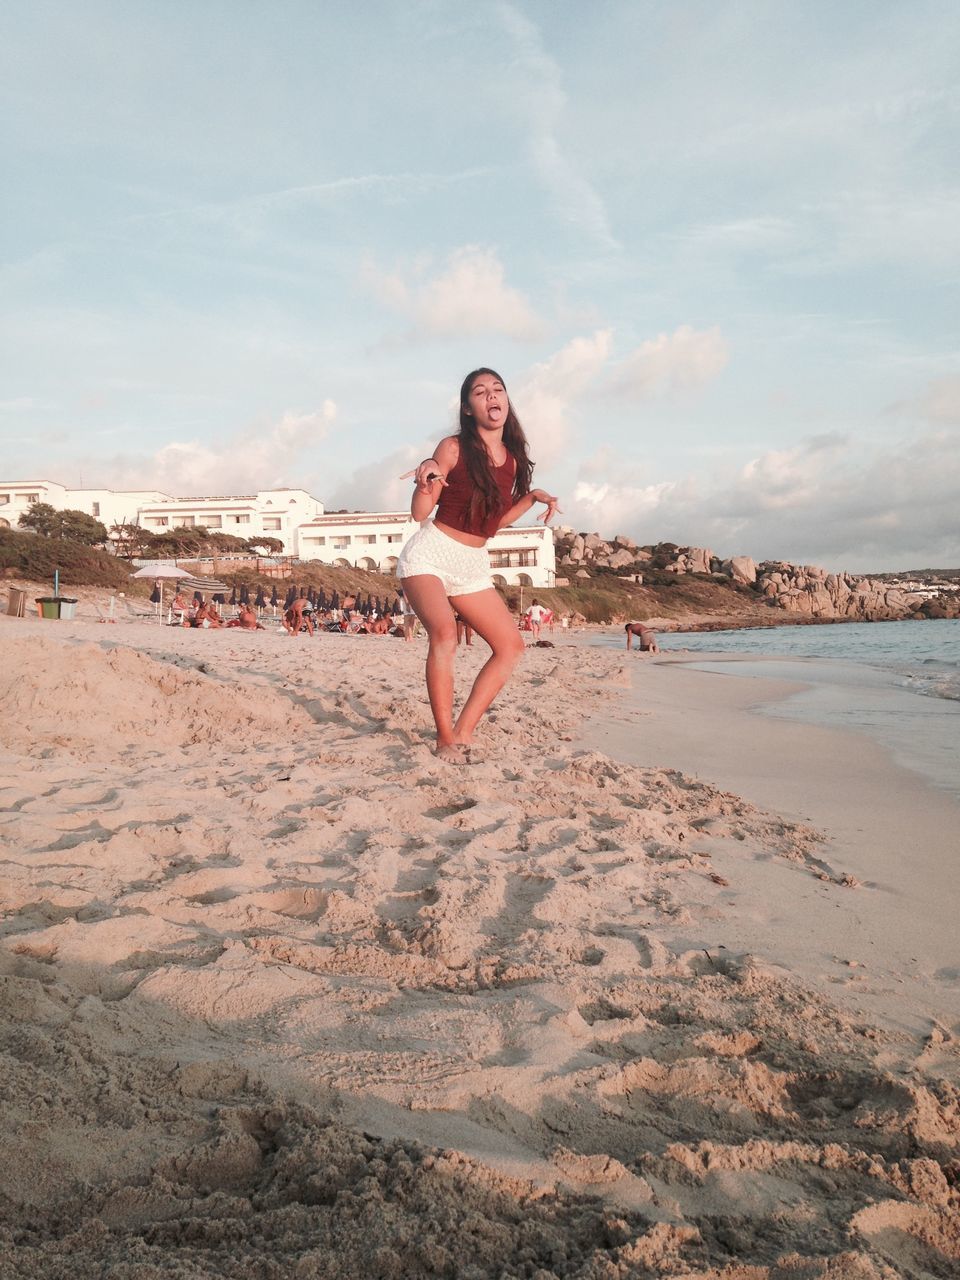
(488, 402)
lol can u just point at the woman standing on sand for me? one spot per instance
(481, 480)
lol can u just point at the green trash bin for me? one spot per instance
(68, 607)
(49, 606)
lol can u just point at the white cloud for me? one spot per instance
(467, 297)
(681, 361)
(259, 457)
(545, 398)
(838, 501)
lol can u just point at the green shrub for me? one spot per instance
(35, 558)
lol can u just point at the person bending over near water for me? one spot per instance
(479, 481)
(648, 641)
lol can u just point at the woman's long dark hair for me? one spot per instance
(485, 499)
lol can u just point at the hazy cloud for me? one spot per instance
(834, 500)
(259, 457)
(546, 396)
(680, 361)
(467, 297)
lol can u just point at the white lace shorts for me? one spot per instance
(463, 570)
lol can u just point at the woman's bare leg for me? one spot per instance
(429, 600)
(486, 613)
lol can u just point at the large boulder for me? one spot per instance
(741, 569)
(699, 559)
(618, 560)
(621, 540)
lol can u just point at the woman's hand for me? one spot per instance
(426, 475)
(552, 504)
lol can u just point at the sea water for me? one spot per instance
(898, 682)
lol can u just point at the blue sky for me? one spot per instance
(714, 249)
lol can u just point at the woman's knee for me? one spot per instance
(511, 648)
(443, 638)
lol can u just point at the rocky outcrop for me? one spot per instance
(805, 590)
(815, 593)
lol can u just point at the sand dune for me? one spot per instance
(285, 996)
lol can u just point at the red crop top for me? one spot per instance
(455, 498)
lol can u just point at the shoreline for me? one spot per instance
(886, 945)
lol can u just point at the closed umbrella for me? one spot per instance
(291, 596)
(311, 595)
(274, 597)
(244, 594)
(155, 596)
(335, 600)
(261, 600)
(233, 595)
(322, 600)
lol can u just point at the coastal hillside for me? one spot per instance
(598, 580)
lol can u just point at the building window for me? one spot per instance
(367, 539)
(96, 509)
(271, 522)
(160, 521)
(33, 497)
(341, 544)
(188, 522)
(317, 542)
(239, 519)
(213, 522)
(4, 499)
(392, 537)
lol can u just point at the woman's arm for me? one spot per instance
(427, 493)
(523, 505)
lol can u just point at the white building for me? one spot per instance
(274, 513)
(519, 556)
(107, 505)
(522, 555)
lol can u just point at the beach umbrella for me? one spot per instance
(155, 594)
(233, 594)
(197, 598)
(274, 597)
(311, 595)
(244, 594)
(303, 593)
(335, 600)
(321, 599)
(220, 598)
(159, 572)
(261, 600)
(290, 597)
(378, 605)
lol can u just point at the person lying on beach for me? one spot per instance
(294, 619)
(379, 626)
(479, 482)
(246, 619)
(648, 641)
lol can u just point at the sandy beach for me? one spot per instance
(653, 989)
